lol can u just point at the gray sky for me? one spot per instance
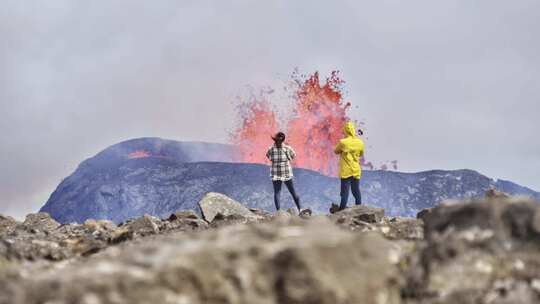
(440, 84)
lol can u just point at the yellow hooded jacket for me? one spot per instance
(351, 148)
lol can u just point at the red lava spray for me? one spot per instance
(315, 126)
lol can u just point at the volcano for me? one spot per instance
(158, 177)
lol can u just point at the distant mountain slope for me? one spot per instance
(115, 155)
(169, 176)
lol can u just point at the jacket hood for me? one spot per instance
(349, 129)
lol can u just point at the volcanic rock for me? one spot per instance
(185, 214)
(361, 213)
(185, 221)
(424, 213)
(479, 251)
(493, 193)
(40, 222)
(399, 228)
(99, 225)
(261, 214)
(7, 224)
(140, 227)
(214, 203)
(484, 251)
(308, 262)
(363, 218)
(221, 220)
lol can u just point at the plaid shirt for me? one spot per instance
(281, 162)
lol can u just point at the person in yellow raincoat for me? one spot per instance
(350, 149)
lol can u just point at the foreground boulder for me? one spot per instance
(40, 222)
(186, 221)
(213, 204)
(305, 262)
(42, 238)
(7, 224)
(484, 251)
(358, 216)
(362, 213)
(362, 218)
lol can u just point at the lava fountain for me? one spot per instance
(258, 123)
(313, 128)
(317, 122)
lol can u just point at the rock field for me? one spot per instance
(480, 251)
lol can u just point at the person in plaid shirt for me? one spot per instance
(281, 171)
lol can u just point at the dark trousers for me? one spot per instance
(352, 184)
(277, 193)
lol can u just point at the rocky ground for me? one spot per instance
(483, 251)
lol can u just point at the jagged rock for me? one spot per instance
(214, 203)
(494, 193)
(28, 248)
(424, 213)
(40, 222)
(122, 234)
(7, 224)
(99, 225)
(307, 262)
(221, 220)
(145, 225)
(139, 227)
(262, 215)
(185, 214)
(184, 221)
(359, 213)
(364, 218)
(506, 220)
(401, 228)
(483, 251)
(471, 247)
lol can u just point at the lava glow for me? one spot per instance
(313, 129)
(139, 154)
(258, 124)
(316, 127)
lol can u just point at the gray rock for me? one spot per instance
(40, 222)
(221, 220)
(185, 214)
(362, 213)
(424, 213)
(472, 247)
(185, 221)
(307, 262)
(214, 203)
(494, 193)
(397, 228)
(7, 224)
(99, 225)
(139, 227)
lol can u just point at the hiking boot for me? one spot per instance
(305, 213)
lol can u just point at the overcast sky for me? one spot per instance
(440, 84)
